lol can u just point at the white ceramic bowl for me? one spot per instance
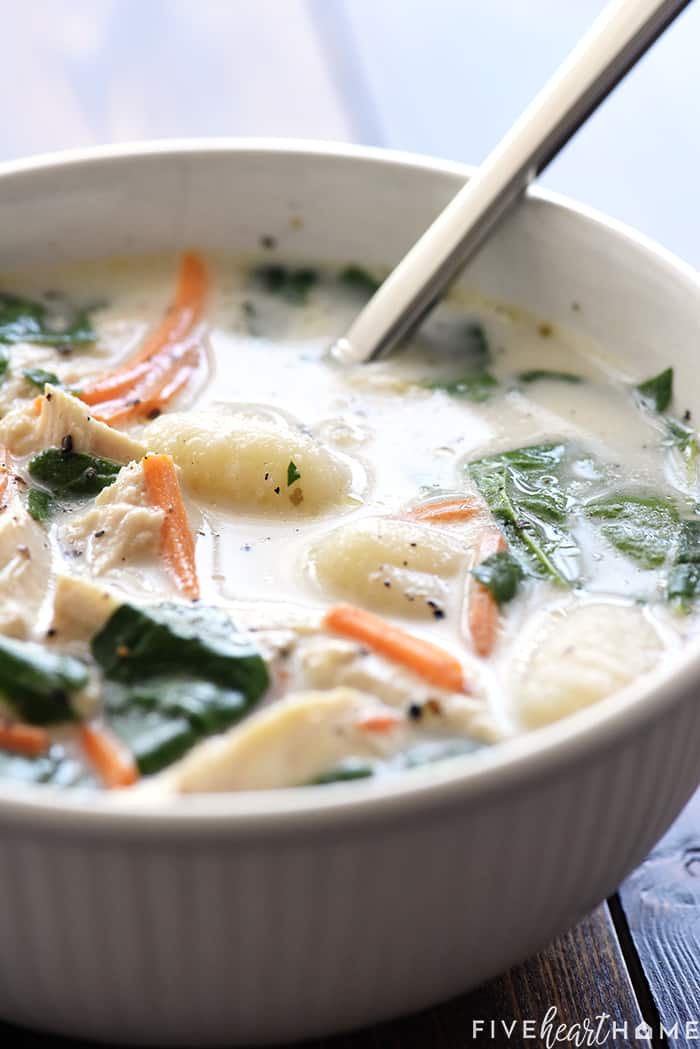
(251, 918)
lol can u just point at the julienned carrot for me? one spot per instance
(154, 365)
(112, 761)
(422, 657)
(447, 511)
(482, 608)
(176, 541)
(29, 740)
(144, 402)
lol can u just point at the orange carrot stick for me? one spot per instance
(148, 400)
(111, 760)
(379, 722)
(167, 339)
(177, 543)
(19, 738)
(482, 608)
(422, 657)
(447, 511)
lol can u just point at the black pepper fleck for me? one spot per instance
(415, 711)
(99, 533)
(67, 444)
(277, 490)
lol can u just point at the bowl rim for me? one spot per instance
(531, 757)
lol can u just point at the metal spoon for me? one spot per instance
(616, 40)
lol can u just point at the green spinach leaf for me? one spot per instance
(137, 644)
(477, 386)
(40, 504)
(344, 771)
(523, 491)
(293, 285)
(37, 683)
(39, 377)
(643, 527)
(657, 392)
(501, 573)
(683, 583)
(543, 374)
(25, 320)
(162, 718)
(66, 472)
(359, 280)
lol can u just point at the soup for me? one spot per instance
(230, 563)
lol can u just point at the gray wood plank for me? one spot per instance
(661, 902)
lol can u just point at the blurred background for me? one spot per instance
(435, 76)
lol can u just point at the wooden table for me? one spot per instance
(444, 77)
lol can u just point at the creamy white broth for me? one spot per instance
(395, 441)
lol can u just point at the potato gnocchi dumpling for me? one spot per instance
(581, 655)
(394, 566)
(254, 464)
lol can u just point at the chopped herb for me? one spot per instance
(37, 683)
(643, 527)
(475, 387)
(25, 320)
(683, 583)
(4, 361)
(291, 284)
(73, 473)
(544, 374)
(39, 377)
(40, 504)
(657, 392)
(500, 573)
(524, 493)
(359, 280)
(292, 473)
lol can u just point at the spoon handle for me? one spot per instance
(615, 41)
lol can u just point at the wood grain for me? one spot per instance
(661, 902)
(582, 974)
